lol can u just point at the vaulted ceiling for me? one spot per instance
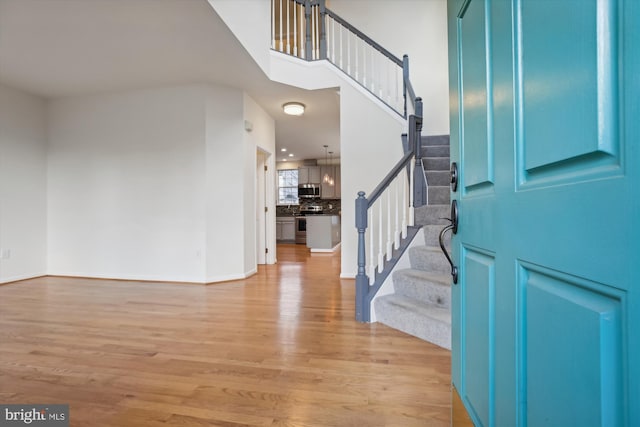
(61, 48)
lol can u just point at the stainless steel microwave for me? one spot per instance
(308, 191)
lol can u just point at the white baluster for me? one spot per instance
(411, 184)
(273, 25)
(396, 234)
(380, 239)
(364, 63)
(303, 32)
(333, 40)
(389, 229)
(281, 41)
(295, 29)
(348, 52)
(288, 31)
(355, 41)
(313, 33)
(341, 54)
(404, 203)
(372, 256)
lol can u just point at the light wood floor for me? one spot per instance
(281, 348)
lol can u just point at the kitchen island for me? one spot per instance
(323, 233)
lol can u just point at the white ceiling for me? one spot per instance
(60, 48)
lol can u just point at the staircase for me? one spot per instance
(421, 302)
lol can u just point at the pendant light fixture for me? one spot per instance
(327, 179)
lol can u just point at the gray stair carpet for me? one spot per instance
(421, 302)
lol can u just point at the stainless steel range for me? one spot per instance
(301, 221)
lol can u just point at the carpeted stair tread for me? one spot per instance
(429, 258)
(434, 140)
(436, 163)
(432, 214)
(428, 287)
(435, 151)
(425, 321)
(438, 177)
(432, 235)
(438, 195)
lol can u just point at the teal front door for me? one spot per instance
(545, 128)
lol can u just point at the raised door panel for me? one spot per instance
(567, 97)
(476, 97)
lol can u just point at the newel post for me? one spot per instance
(323, 31)
(363, 312)
(419, 187)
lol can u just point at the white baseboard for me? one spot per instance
(20, 277)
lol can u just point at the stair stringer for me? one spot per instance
(403, 262)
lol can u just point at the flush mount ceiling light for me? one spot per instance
(293, 108)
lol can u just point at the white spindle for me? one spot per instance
(281, 41)
(295, 29)
(349, 52)
(372, 265)
(380, 69)
(411, 184)
(273, 25)
(396, 233)
(364, 64)
(404, 204)
(288, 30)
(333, 40)
(313, 34)
(341, 55)
(389, 229)
(380, 239)
(303, 32)
(355, 42)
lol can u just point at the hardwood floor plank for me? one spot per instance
(280, 348)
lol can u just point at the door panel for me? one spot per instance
(566, 97)
(572, 347)
(477, 126)
(544, 122)
(478, 296)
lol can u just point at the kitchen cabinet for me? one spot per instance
(285, 229)
(330, 191)
(327, 191)
(309, 175)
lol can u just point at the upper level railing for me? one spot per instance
(308, 30)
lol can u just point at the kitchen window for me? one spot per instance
(288, 187)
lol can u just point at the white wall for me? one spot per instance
(370, 146)
(22, 185)
(125, 185)
(262, 137)
(417, 28)
(225, 184)
(231, 154)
